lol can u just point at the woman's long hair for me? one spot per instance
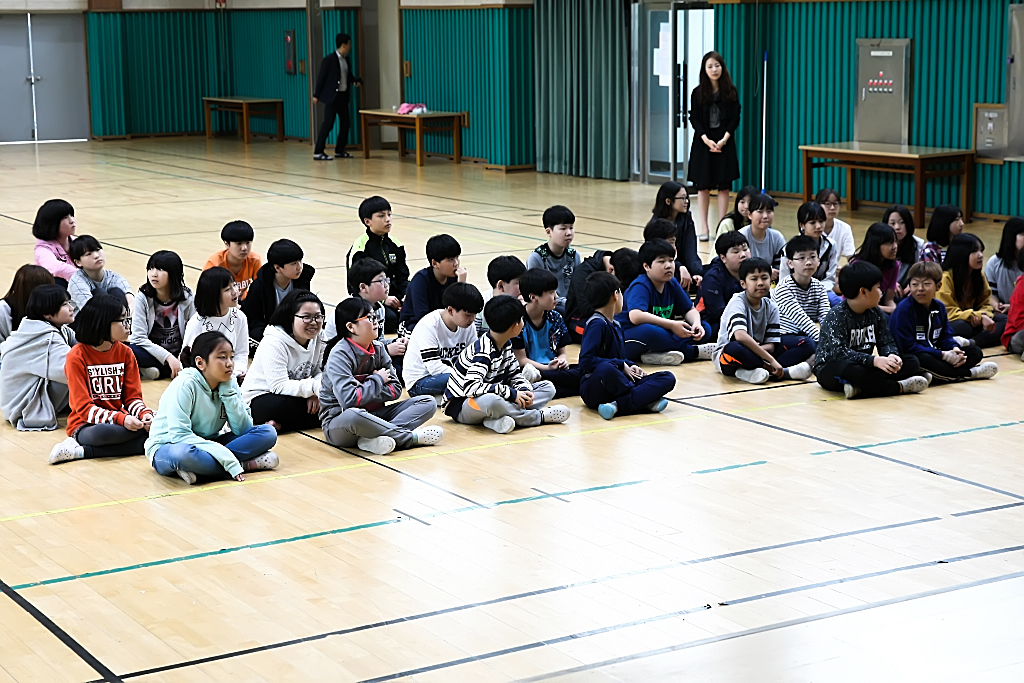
(706, 91)
(958, 260)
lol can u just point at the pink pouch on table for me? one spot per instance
(407, 108)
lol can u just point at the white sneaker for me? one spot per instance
(439, 400)
(850, 391)
(427, 436)
(755, 376)
(800, 371)
(984, 370)
(267, 461)
(531, 374)
(150, 373)
(189, 477)
(554, 414)
(667, 358)
(913, 385)
(381, 445)
(704, 351)
(66, 450)
(501, 425)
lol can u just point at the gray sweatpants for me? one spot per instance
(396, 420)
(1017, 342)
(491, 406)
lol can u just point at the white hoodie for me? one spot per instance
(34, 353)
(282, 366)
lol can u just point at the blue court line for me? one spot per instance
(940, 435)
(731, 467)
(305, 537)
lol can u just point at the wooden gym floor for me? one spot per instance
(773, 533)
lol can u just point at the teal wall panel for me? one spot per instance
(337, 21)
(480, 61)
(959, 46)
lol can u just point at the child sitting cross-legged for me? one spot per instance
(608, 382)
(160, 314)
(540, 347)
(920, 327)
(750, 342)
(439, 339)
(487, 386)
(801, 297)
(368, 279)
(357, 381)
(652, 302)
(428, 285)
(216, 305)
(503, 273)
(851, 331)
(283, 273)
(92, 277)
(722, 277)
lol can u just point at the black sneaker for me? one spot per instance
(343, 155)
(322, 157)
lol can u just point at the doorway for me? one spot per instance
(43, 87)
(669, 39)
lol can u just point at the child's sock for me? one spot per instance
(798, 371)
(531, 374)
(554, 414)
(755, 376)
(850, 390)
(704, 351)
(427, 436)
(381, 445)
(267, 461)
(66, 450)
(984, 370)
(608, 410)
(913, 385)
(188, 477)
(501, 425)
(658, 405)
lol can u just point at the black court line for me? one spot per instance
(553, 495)
(772, 627)
(991, 509)
(142, 253)
(855, 449)
(398, 471)
(415, 519)
(12, 218)
(62, 635)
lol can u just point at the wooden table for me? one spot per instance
(245, 107)
(914, 160)
(454, 121)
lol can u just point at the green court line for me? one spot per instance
(306, 537)
(922, 438)
(731, 467)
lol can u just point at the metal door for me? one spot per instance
(15, 89)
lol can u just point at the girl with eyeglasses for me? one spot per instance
(282, 386)
(837, 230)
(108, 416)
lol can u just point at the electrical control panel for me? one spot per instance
(882, 111)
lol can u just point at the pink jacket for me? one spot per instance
(50, 255)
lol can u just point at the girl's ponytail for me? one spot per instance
(202, 346)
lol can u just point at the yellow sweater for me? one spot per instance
(971, 305)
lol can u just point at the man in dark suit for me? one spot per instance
(333, 84)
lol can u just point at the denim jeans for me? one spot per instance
(172, 457)
(431, 384)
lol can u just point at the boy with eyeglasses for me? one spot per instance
(367, 279)
(283, 273)
(802, 298)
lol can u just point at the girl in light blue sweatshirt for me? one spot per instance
(185, 438)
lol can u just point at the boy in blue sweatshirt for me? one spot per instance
(722, 277)
(920, 327)
(609, 382)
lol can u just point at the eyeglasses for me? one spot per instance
(383, 281)
(832, 205)
(125, 322)
(311, 319)
(799, 259)
(686, 197)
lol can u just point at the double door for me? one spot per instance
(669, 40)
(43, 87)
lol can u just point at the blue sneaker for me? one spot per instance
(658, 405)
(608, 410)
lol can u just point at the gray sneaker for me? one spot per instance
(984, 370)
(666, 358)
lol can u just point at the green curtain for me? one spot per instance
(582, 88)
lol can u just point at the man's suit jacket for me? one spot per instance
(329, 76)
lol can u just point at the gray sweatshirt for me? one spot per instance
(348, 380)
(33, 354)
(143, 318)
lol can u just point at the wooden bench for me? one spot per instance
(245, 107)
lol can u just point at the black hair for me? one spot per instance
(1008, 244)
(728, 240)
(47, 223)
(463, 296)
(957, 260)
(347, 311)
(858, 275)
(92, 324)
(810, 211)
(341, 39)
(558, 215)
(45, 300)
(237, 231)
(284, 315)
(738, 219)
(705, 91)
(502, 312)
(871, 248)
(203, 347)
(668, 190)
(372, 205)
(907, 250)
(760, 201)
(362, 272)
(170, 263)
(536, 281)
(504, 269)
(284, 251)
(938, 228)
(626, 263)
(826, 192)
(600, 288)
(660, 229)
(208, 290)
(800, 243)
(26, 280)
(651, 250)
(441, 247)
(82, 245)
(754, 265)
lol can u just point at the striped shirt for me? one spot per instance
(761, 323)
(801, 308)
(481, 369)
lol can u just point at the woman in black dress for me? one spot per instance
(714, 116)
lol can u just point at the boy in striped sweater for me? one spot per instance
(802, 298)
(487, 386)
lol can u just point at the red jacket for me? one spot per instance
(104, 386)
(1015, 319)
